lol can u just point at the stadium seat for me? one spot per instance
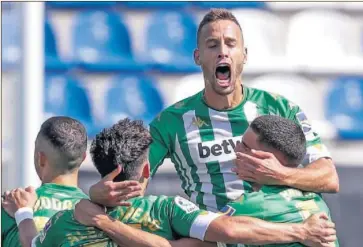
(344, 107)
(323, 39)
(228, 4)
(52, 59)
(264, 36)
(11, 49)
(154, 5)
(65, 96)
(101, 43)
(301, 92)
(171, 47)
(80, 4)
(135, 97)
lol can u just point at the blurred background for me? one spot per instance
(101, 61)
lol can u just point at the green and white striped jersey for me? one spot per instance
(200, 142)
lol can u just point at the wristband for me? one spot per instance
(23, 214)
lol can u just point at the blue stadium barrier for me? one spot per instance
(154, 5)
(65, 96)
(101, 43)
(228, 4)
(52, 59)
(135, 97)
(11, 49)
(344, 107)
(80, 4)
(171, 47)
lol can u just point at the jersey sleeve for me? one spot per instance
(159, 148)
(7, 223)
(188, 220)
(315, 149)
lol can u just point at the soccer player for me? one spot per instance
(60, 149)
(199, 134)
(286, 141)
(127, 143)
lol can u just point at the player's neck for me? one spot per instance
(223, 102)
(67, 180)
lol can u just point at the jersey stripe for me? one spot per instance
(233, 186)
(184, 165)
(191, 133)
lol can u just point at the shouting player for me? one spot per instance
(127, 143)
(199, 134)
(60, 149)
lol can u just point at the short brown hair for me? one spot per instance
(217, 15)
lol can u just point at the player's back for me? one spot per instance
(279, 204)
(51, 199)
(168, 217)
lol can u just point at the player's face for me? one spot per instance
(221, 55)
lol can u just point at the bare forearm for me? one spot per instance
(125, 235)
(247, 230)
(27, 231)
(319, 176)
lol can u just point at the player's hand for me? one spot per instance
(320, 232)
(258, 166)
(88, 213)
(112, 194)
(19, 198)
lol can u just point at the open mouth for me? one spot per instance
(223, 73)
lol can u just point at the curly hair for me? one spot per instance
(126, 143)
(64, 140)
(281, 134)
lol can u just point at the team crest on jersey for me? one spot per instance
(199, 122)
(185, 205)
(228, 210)
(303, 120)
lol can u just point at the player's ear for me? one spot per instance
(42, 159)
(245, 55)
(146, 171)
(196, 55)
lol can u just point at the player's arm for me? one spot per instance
(90, 214)
(20, 203)
(188, 220)
(316, 231)
(319, 173)
(124, 235)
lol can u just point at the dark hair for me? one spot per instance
(217, 15)
(65, 142)
(281, 134)
(126, 143)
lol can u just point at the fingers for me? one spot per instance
(323, 216)
(329, 224)
(135, 185)
(260, 154)
(248, 159)
(130, 195)
(111, 176)
(30, 189)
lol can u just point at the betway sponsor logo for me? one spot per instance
(219, 150)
